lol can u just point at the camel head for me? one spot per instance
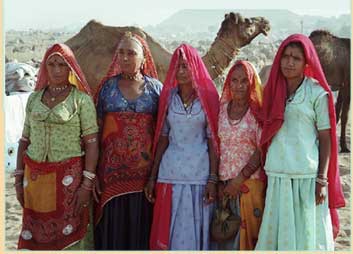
(237, 29)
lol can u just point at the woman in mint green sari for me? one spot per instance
(299, 148)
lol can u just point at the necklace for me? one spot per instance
(54, 96)
(57, 89)
(135, 76)
(235, 121)
(186, 101)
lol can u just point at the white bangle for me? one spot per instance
(89, 175)
(321, 181)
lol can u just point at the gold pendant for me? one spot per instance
(52, 99)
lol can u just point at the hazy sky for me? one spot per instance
(22, 14)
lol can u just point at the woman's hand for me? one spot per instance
(82, 199)
(96, 190)
(232, 188)
(19, 189)
(149, 191)
(320, 193)
(220, 190)
(210, 192)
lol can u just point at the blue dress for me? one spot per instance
(185, 165)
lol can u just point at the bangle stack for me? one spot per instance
(18, 172)
(84, 186)
(212, 178)
(248, 170)
(321, 181)
(89, 175)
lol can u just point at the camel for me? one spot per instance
(94, 46)
(334, 55)
(265, 73)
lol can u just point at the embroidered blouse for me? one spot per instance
(238, 141)
(112, 100)
(55, 134)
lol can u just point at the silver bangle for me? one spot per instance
(321, 181)
(89, 175)
(91, 140)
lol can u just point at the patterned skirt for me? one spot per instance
(48, 221)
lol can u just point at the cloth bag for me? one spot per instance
(225, 221)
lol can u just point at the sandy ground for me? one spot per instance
(343, 241)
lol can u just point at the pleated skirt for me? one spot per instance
(292, 220)
(125, 224)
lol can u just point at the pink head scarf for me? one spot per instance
(148, 67)
(272, 115)
(75, 71)
(202, 84)
(255, 98)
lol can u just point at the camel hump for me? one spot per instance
(321, 32)
(92, 25)
(95, 26)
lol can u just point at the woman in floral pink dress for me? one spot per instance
(242, 179)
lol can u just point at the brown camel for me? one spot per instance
(265, 73)
(334, 55)
(94, 46)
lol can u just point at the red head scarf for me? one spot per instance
(203, 85)
(76, 76)
(255, 98)
(272, 115)
(148, 67)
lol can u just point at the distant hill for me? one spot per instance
(282, 21)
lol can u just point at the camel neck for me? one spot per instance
(219, 56)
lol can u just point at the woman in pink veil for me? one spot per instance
(299, 150)
(184, 173)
